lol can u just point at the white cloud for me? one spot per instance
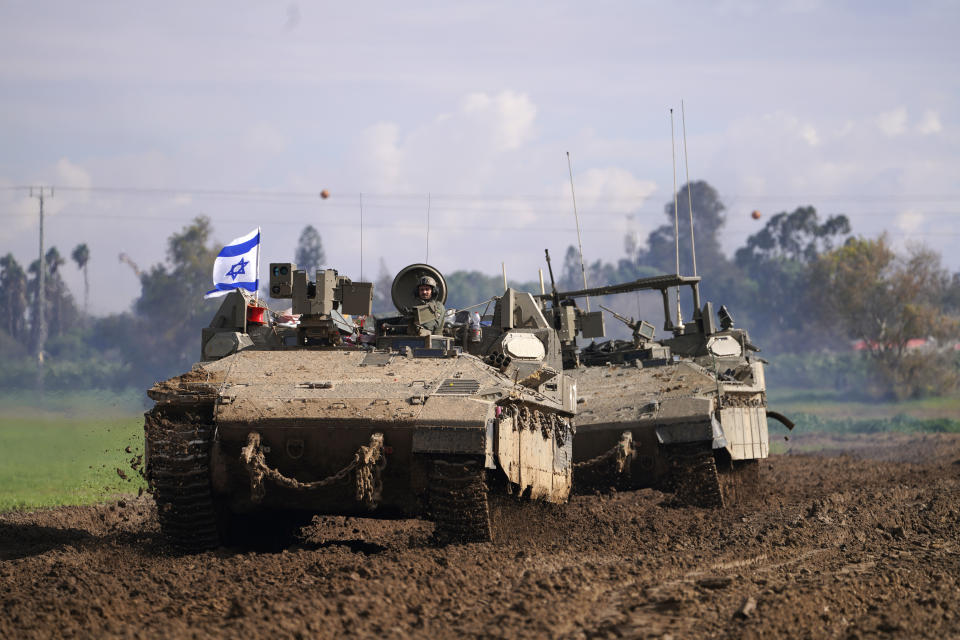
(615, 189)
(471, 158)
(910, 220)
(24, 208)
(74, 181)
(781, 126)
(22, 214)
(508, 116)
(892, 123)
(453, 152)
(809, 133)
(610, 198)
(72, 175)
(930, 123)
(380, 158)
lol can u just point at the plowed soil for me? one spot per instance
(861, 539)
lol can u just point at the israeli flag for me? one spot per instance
(237, 266)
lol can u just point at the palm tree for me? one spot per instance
(13, 297)
(54, 290)
(81, 255)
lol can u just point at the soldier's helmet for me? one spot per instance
(427, 281)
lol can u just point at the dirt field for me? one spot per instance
(861, 540)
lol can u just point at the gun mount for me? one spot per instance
(663, 284)
(642, 330)
(321, 304)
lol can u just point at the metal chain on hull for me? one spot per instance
(368, 463)
(621, 453)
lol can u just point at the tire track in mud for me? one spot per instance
(830, 546)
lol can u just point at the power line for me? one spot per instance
(626, 216)
(368, 196)
(538, 228)
(347, 224)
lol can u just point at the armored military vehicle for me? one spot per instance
(322, 409)
(689, 411)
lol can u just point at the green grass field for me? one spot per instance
(66, 450)
(830, 412)
(832, 404)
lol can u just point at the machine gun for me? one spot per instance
(643, 331)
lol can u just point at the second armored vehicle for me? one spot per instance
(690, 410)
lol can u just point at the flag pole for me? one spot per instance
(259, 242)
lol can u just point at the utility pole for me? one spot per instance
(41, 308)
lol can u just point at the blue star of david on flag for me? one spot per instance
(230, 268)
(237, 269)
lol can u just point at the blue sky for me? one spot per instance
(851, 107)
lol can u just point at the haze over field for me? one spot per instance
(144, 117)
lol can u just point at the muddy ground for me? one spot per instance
(861, 540)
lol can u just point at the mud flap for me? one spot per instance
(746, 431)
(535, 452)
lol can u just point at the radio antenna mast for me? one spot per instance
(676, 220)
(427, 260)
(576, 219)
(686, 162)
(361, 236)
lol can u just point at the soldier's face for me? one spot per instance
(424, 291)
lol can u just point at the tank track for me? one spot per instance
(739, 480)
(178, 473)
(459, 501)
(693, 475)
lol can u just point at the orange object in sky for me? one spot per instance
(756, 215)
(324, 194)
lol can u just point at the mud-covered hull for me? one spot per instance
(288, 430)
(670, 410)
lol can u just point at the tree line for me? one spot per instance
(806, 284)
(803, 284)
(19, 299)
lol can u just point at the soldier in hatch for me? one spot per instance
(431, 310)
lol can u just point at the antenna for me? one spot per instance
(576, 219)
(427, 259)
(553, 285)
(676, 220)
(686, 162)
(361, 236)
